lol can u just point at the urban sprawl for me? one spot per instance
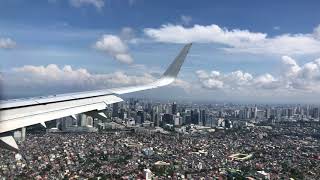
(141, 139)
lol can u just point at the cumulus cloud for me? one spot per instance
(202, 34)
(237, 81)
(67, 76)
(115, 47)
(290, 66)
(217, 80)
(79, 3)
(237, 40)
(305, 77)
(293, 77)
(7, 43)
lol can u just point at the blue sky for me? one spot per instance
(253, 51)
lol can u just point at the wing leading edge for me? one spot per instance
(15, 114)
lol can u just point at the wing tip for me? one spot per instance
(175, 66)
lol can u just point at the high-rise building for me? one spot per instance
(203, 117)
(177, 120)
(115, 110)
(254, 112)
(141, 115)
(268, 113)
(83, 120)
(174, 108)
(122, 114)
(155, 116)
(290, 112)
(195, 116)
(168, 119)
(260, 114)
(315, 113)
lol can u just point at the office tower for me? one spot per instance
(115, 110)
(168, 119)
(290, 112)
(122, 114)
(254, 112)
(260, 114)
(20, 134)
(236, 113)
(195, 116)
(307, 113)
(155, 115)
(203, 117)
(174, 108)
(149, 108)
(141, 115)
(315, 113)
(242, 114)
(177, 120)
(247, 113)
(268, 113)
(83, 120)
(89, 121)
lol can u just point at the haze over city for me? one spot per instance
(266, 52)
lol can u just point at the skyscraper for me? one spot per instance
(174, 108)
(203, 117)
(141, 117)
(115, 110)
(195, 116)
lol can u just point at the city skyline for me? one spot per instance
(241, 53)
(140, 138)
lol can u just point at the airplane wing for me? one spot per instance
(18, 113)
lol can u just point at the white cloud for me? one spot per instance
(217, 80)
(293, 78)
(186, 20)
(115, 47)
(202, 34)
(236, 80)
(305, 77)
(290, 66)
(79, 3)
(54, 76)
(266, 81)
(7, 43)
(236, 40)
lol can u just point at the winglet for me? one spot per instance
(167, 78)
(175, 66)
